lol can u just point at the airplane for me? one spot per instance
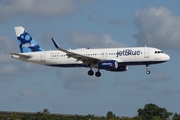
(109, 59)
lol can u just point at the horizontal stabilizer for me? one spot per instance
(22, 55)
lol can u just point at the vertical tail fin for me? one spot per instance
(25, 41)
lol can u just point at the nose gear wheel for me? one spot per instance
(147, 69)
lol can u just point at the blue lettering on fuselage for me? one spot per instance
(127, 52)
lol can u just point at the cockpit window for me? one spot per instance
(157, 52)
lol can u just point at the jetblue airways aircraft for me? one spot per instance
(110, 59)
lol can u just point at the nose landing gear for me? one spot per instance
(147, 69)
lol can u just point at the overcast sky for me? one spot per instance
(90, 23)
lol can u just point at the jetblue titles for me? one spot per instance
(128, 52)
(28, 45)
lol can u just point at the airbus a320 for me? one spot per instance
(109, 59)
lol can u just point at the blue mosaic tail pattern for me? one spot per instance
(26, 42)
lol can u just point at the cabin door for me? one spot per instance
(43, 56)
(146, 53)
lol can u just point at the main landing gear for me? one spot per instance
(91, 73)
(147, 69)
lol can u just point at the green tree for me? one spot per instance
(137, 118)
(64, 117)
(125, 118)
(176, 116)
(157, 118)
(77, 117)
(14, 117)
(3, 118)
(110, 115)
(102, 118)
(89, 117)
(46, 111)
(26, 117)
(151, 110)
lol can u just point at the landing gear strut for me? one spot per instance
(147, 69)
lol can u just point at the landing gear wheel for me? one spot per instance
(147, 68)
(90, 72)
(148, 72)
(98, 74)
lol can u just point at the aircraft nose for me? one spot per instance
(167, 57)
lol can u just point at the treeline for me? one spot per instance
(149, 112)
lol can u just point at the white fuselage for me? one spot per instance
(124, 56)
(110, 59)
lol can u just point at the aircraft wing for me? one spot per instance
(79, 57)
(22, 55)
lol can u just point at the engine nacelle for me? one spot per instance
(119, 69)
(108, 64)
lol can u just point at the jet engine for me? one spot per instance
(108, 64)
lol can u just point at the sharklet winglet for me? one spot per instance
(55, 43)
